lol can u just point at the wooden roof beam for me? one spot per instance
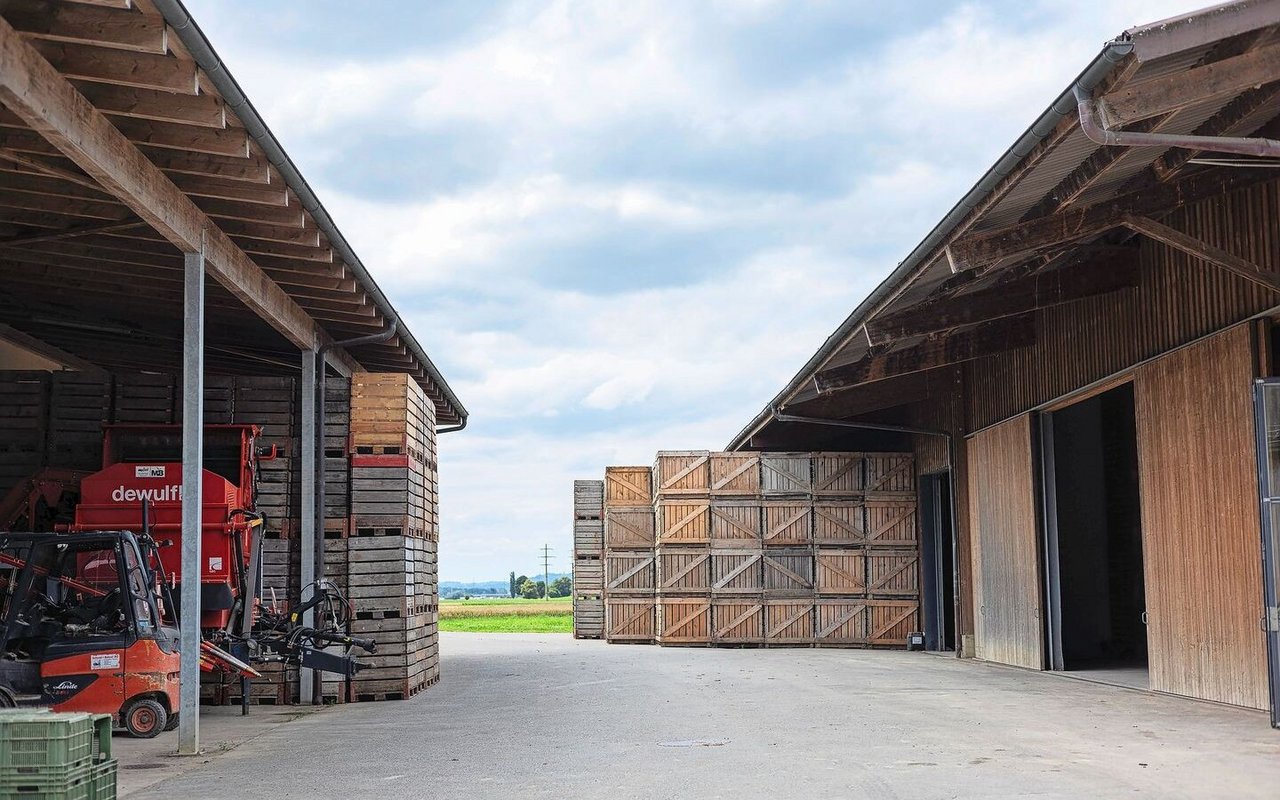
(984, 340)
(1197, 248)
(232, 142)
(32, 88)
(1223, 123)
(252, 168)
(203, 110)
(1102, 271)
(88, 24)
(102, 65)
(1188, 87)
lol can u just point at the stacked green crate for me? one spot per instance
(46, 756)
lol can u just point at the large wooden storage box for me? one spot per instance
(685, 570)
(736, 523)
(841, 572)
(787, 523)
(628, 487)
(628, 528)
(588, 617)
(786, 475)
(735, 474)
(788, 621)
(682, 473)
(839, 522)
(893, 573)
(837, 474)
(588, 576)
(685, 521)
(892, 522)
(684, 620)
(737, 620)
(628, 572)
(788, 572)
(588, 500)
(889, 621)
(840, 622)
(737, 572)
(891, 473)
(629, 619)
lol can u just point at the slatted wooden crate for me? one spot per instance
(890, 474)
(682, 473)
(684, 521)
(735, 474)
(146, 397)
(588, 537)
(788, 572)
(588, 500)
(588, 617)
(892, 523)
(79, 405)
(630, 619)
(380, 575)
(787, 523)
(684, 571)
(391, 415)
(893, 573)
(219, 399)
(889, 621)
(841, 572)
(24, 396)
(840, 621)
(786, 475)
(629, 528)
(389, 493)
(407, 655)
(839, 523)
(737, 571)
(281, 563)
(837, 474)
(736, 523)
(737, 620)
(588, 576)
(788, 620)
(629, 572)
(628, 487)
(684, 620)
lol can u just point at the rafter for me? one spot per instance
(104, 65)
(1223, 123)
(1197, 248)
(86, 24)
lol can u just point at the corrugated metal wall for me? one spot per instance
(1006, 562)
(1197, 472)
(1178, 299)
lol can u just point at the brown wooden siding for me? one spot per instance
(1178, 299)
(1200, 521)
(1005, 545)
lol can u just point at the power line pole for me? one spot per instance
(546, 571)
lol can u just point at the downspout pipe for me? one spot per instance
(779, 416)
(1097, 131)
(193, 39)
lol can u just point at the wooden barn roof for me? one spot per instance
(1051, 221)
(122, 137)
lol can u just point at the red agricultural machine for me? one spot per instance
(87, 604)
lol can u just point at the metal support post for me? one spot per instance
(192, 464)
(310, 570)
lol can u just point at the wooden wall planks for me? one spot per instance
(1200, 521)
(1007, 592)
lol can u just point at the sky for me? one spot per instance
(619, 227)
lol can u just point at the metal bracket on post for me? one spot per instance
(192, 464)
(310, 570)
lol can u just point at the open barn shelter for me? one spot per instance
(1083, 357)
(163, 261)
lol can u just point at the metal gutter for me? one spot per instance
(177, 17)
(1093, 75)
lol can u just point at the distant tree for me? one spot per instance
(513, 584)
(529, 590)
(562, 586)
(542, 589)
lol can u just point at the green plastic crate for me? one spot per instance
(102, 725)
(104, 780)
(76, 784)
(43, 739)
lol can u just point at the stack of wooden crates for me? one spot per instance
(588, 561)
(763, 549)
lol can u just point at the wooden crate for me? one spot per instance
(786, 475)
(685, 570)
(837, 474)
(787, 523)
(893, 573)
(735, 474)
(737, 572)
(892, 523)
(588, 576)
(24, 396)
(788, 572)
(840, 622)
(388, 492)
(889, 621)
(628, 572)
(682, 473)
(891, 473)
(629, 619)
(588, 617)
(629, 529)
(788, 621)
(841, 572)
(79, 405)
(839, 522)
(686, 521)
(588, 500)
(588, 536)
(391, 415)
(628, 487)
(737, 620)
(736, 523)
(684, 620)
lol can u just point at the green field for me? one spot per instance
(505, 615)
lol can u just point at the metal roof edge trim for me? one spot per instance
(178, 18)
(1092, 75)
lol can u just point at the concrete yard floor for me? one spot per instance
(544, 716)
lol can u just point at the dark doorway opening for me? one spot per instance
(1093, 539)
(938, 563)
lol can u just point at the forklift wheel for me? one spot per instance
(172, 724)
(145, 718)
